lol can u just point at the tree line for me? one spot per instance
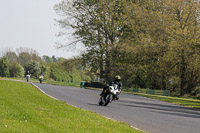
(16, 64)
(150, 43)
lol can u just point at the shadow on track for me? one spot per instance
(164, 109)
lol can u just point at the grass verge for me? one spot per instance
(74, 84)
(187, 102)
(23, 108)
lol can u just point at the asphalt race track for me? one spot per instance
(146, 114)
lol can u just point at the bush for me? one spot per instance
(16, 70)
(175, 92)
(58, 73)
(33, 68)
(196, 91)
(4, 68)
(198, 96)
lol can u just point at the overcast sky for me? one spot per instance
(30, 24)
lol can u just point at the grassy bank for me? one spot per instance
(23, 108)
(74, 84)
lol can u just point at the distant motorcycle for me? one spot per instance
(28, 77)
(41, 78)
(108, 95)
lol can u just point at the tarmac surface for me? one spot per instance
(146, 114)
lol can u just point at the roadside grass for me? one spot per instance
(187, 102)
(20, 79)
(23, 108)
(74, 84)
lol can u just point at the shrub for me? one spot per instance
(196, 91)
(4, 68)
(16, 70)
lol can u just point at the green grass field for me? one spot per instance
(24, 109)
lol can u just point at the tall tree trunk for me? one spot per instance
(182, 76)
(164, 81)
(101, 56)
(101, 65)
(107, 59)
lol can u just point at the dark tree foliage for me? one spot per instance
(4, 67)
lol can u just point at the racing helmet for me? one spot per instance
(117, 78)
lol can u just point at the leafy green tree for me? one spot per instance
(167, 33)
(58, 73)
(25, 55)
(4, 67)
(98, 27)
(75, 69)
(150, 43)
(45, 69)
(177, 27)
(33, 67)
(11, 56)
(16, 70)
(47, 59)
(54, 58)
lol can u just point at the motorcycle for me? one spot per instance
(108, 95)
(41, 78)
(28, 77)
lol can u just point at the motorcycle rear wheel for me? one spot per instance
(100, 101)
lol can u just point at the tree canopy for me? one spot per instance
(150, 43)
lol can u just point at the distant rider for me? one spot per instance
(41, 74)
(117, 82)
(41, 77)
(28, 75)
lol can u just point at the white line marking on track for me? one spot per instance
(43, 91)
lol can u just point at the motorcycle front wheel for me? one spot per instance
(108, 99)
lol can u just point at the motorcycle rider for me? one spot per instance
(41, 77)
(118, 82)
(28, 75)
(41, 74)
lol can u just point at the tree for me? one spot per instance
(33, 67)
(179, 28)
(4, 67)
(11, 56)
(98, 25)
(25, 55)
(54, 58)
(47, 59)
(150, 43)
(16, 70)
